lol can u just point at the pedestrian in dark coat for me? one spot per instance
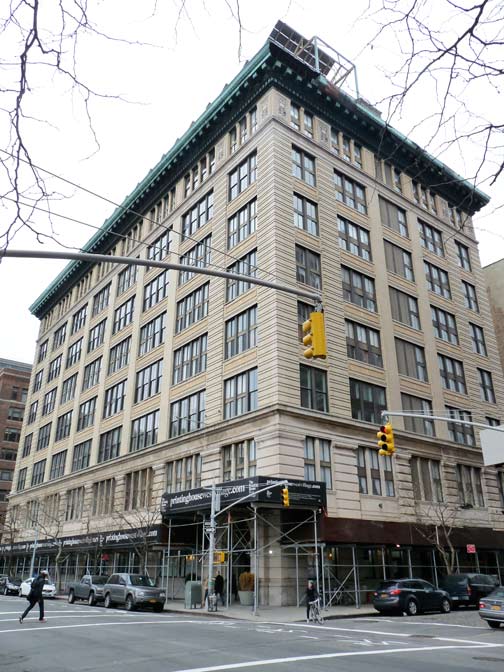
(311, 596)
(36, 595)
(219, 587)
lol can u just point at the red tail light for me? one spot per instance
(396, 591)
(482, 605)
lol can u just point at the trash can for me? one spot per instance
(192, 594)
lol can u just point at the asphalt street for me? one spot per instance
(83, 639)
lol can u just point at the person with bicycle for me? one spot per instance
(311, 596)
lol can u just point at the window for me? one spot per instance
(192, 308)
(240, 394)
(190, 360)
(11, 434)
(313, 385)
(27, 445)
(6, 475)
(239, 460)
(445, 326)
(470, 297)
(42, 351)
(363, 343)
(138, 489)
(110, 445)
(426, 477)
(411, 360)
(38, 472)
(303, 166)
(457, 217)
(152, 334)
(103, 497)
(388, 174)
(358, 288)
(96, 336)
(437, 280)
(187, 185)
(295, 116)
(155, 291)
(375, 473)
(233, 140)
(459, 432)
(463, 258)
(246, 265)
(21, 481)
(101, 300)
(54, 368)
(57, 465)
(125, 279)
(123, 315)
(114, 399)
(242, 224)
(59, 336)
(119, 356)
(346, 144)
(43, 436)
(68, 389)
(199, 256)
(86, 414)
(357, 153)
(197, 216)
(350, 193)
(393, 217)
(187, 414)
(78, 320)
(334, 140)
(148, 381)
(404, 308)
(398, 261)
(49, 402)
(423, 197)
(241, 332)
(75, 504)
(478, 340)
(160, 248)
(500, 483)
(81, 455)
(452, 374)
(470, 489)
(242, 176)
(416, 405)
(431, 238)
(63, 426)
(492, 422)
(486, 386)
(74, 353)
(354, 239)
(144, 431)
(305, 214)
(308, 124)
(308, 268)
(303, 314)
(317, 460)
(91, 374)
(367, 400)
(253, 120)
(32, 414)
(37, 381)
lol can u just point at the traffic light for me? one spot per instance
(219, 557)
(386, 440)
(315, 338)
(285, 497)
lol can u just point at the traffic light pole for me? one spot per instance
(406, 414)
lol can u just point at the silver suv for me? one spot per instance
(133, 591)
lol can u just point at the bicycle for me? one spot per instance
(315, 613)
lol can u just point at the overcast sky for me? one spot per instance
(169, 80)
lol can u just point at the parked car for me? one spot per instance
(491, 608)
(89, 588)
(133, 591)
(411, 596)
(49, 589)
(9, 586)
(467, 589)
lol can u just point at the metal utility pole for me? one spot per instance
(35, 543)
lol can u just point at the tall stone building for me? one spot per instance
(494, 277)
(150, 381)
(14, 383)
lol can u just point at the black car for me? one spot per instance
(467, 589)
(491, 608)
(411, 596)
(9, 586)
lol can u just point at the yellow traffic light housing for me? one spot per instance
(386, 440)
(219, 557)
(285, 497)
(315, 338)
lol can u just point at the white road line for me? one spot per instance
(322, 656)
(58, 611)
(444, 625)
(29, 618)
(45, 628)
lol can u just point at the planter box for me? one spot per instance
(246, 597)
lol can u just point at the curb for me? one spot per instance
(220, 615)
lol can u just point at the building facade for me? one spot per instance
(14, 384)
(149, 381)
(494, 277)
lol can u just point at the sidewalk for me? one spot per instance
(277, 614)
